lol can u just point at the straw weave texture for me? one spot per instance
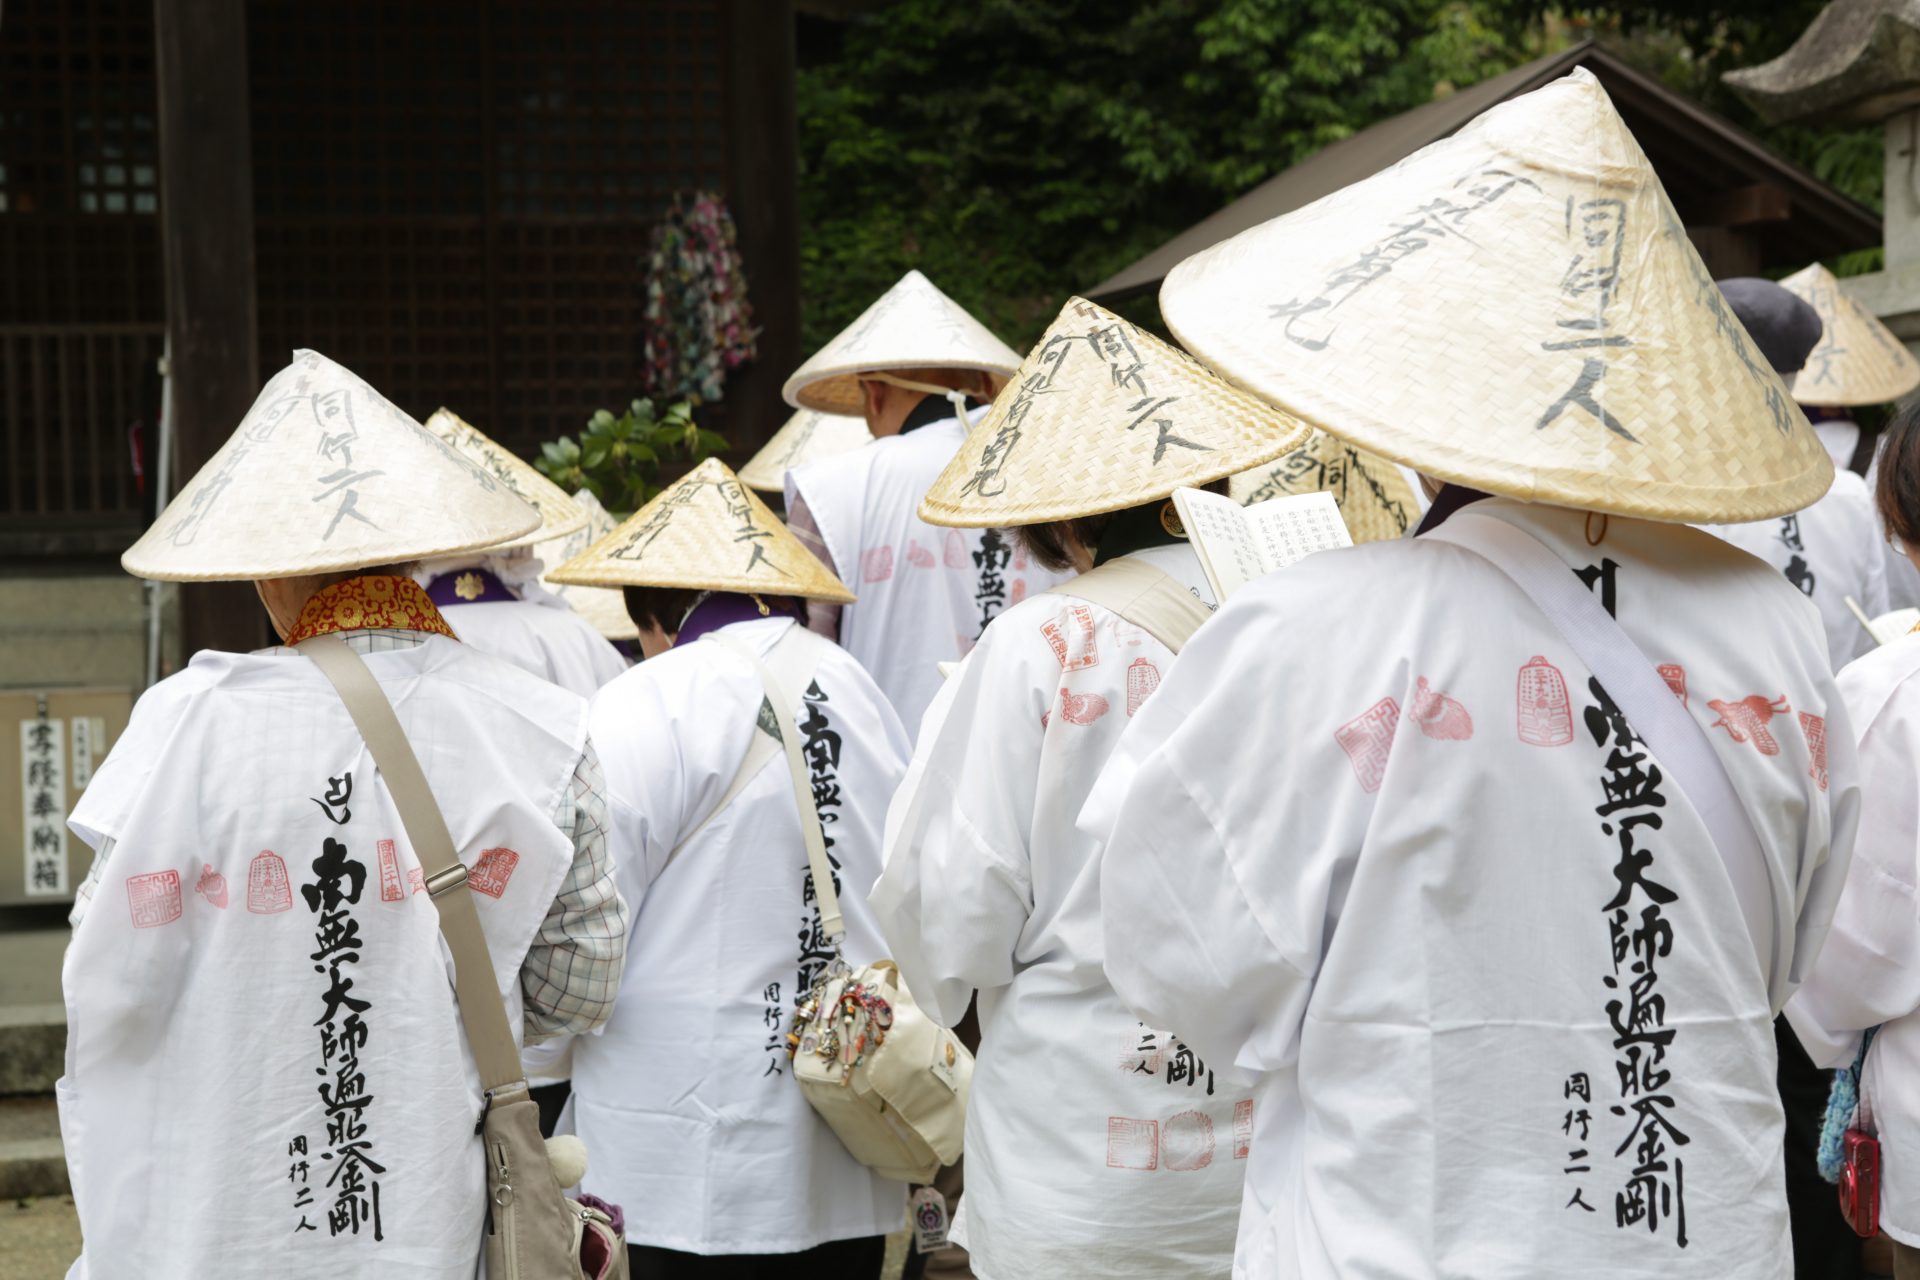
(708, 532)
(324, 475)
(559, 514)
(1102, 415)
(1858, 361)
(1376, 502)
(911, 326)
(1515, 308)
(806, 437)
(603, 609)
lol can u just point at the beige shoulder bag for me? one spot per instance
(889, 1081)
(534, 1231)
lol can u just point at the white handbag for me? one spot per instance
(889, 1081)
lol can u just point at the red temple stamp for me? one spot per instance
(876, 564)
(1019, 591)
(212, 886)
(1368, 741)
(491, 873)
(1070, 636)
(1186, 1141)
(1142, 679)
(955, 553)
(416, 880)
(1438, 715)
(1082, 708)
(1676, 677)
(1242, 1128)
(1132, 1144)
(1542, 713)
(268, 891)
(918, 556)
(1815, 727)
(154, 898)
(390, 890)
(1748, 717)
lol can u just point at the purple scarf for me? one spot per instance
(461, 586)
(724, 608)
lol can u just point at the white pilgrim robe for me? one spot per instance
(686, 1099)
(1869, 972)
(1363, 843)
(925, 591)
(539, 632)
(1831, 551)
(204, 1047)
(986, 888)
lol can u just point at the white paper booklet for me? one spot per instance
(1888, 627)
(1237, 544)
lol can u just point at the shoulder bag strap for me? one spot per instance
(481, 1010)
(792, 662)
(777, 699)
(1678, 741)
(1145, 596)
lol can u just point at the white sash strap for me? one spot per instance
(1145, 596)
(1677, 740)
(777, 699)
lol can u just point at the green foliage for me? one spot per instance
(618, 460)
(1017, 150)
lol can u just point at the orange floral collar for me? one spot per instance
(375, 601)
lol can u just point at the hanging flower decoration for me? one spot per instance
(699, 324)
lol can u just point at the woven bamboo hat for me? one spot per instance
(324, 475)
(1515, 308)
(1101, 416)
(1376, 502)
(559, 514)
(806, 437)
(604, 610)
(911, 326)
(708, 532)
(1858, 361)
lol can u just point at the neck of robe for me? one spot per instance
(371, 602)
(724, 608)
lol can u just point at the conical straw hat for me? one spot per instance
(1516, 308)
(708, 532)
(324, 475)
(806, 437)
(604, 610)
(1376, 502)
(1102, 415)
(911, 326)
(1858, 361)
(559, 514)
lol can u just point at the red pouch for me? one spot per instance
(1860, 1183)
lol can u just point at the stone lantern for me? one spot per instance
(1859, 63)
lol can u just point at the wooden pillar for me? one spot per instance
(206, 220)
(763, 143)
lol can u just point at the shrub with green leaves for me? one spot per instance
(618, 460)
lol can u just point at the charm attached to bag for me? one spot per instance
(1860, 1183)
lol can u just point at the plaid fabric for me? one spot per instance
(572, 970)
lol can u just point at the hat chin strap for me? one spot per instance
(954, 396)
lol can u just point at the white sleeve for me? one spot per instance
(1217, 887)
(1868, 970)
(956, 890)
